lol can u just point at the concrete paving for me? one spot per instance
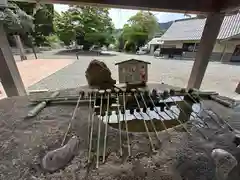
(219, 77)
(34, 70)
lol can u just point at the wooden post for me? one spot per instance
(9, 75)
(209, 36)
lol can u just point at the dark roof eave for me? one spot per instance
(132, 60)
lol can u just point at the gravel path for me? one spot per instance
(219, 77)
(25, 141)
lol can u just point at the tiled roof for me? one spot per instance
(192, 29)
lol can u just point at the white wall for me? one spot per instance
(218, 47)
(230, 46)
(177, 44)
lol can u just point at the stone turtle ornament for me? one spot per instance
(59, 158)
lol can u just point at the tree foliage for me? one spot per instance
(87, 25)
(65, 27)
(139, 28)
(15, 20)
(42, 19)
(120, 42)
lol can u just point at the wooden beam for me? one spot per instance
(181, 6)
(208, 40)
(9, 75)
(229, 6)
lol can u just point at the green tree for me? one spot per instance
(42, 19)
(120, 41)
(65, 27)
(87, 25)
(16, 22)
(140, 28)
(43, 24)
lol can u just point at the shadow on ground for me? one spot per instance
(79, 52)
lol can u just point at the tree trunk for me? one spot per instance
(20, 47)
(34, 52)
(30, 40)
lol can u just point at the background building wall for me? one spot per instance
(226, 48)
(222, 51)
(177, 44)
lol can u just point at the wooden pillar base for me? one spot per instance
(209, 36)
(9, 74)
(238, 88)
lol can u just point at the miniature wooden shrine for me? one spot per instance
(133, 71)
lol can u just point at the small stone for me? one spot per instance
(14, 162)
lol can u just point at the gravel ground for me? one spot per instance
(219, 77)
(24, 142)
